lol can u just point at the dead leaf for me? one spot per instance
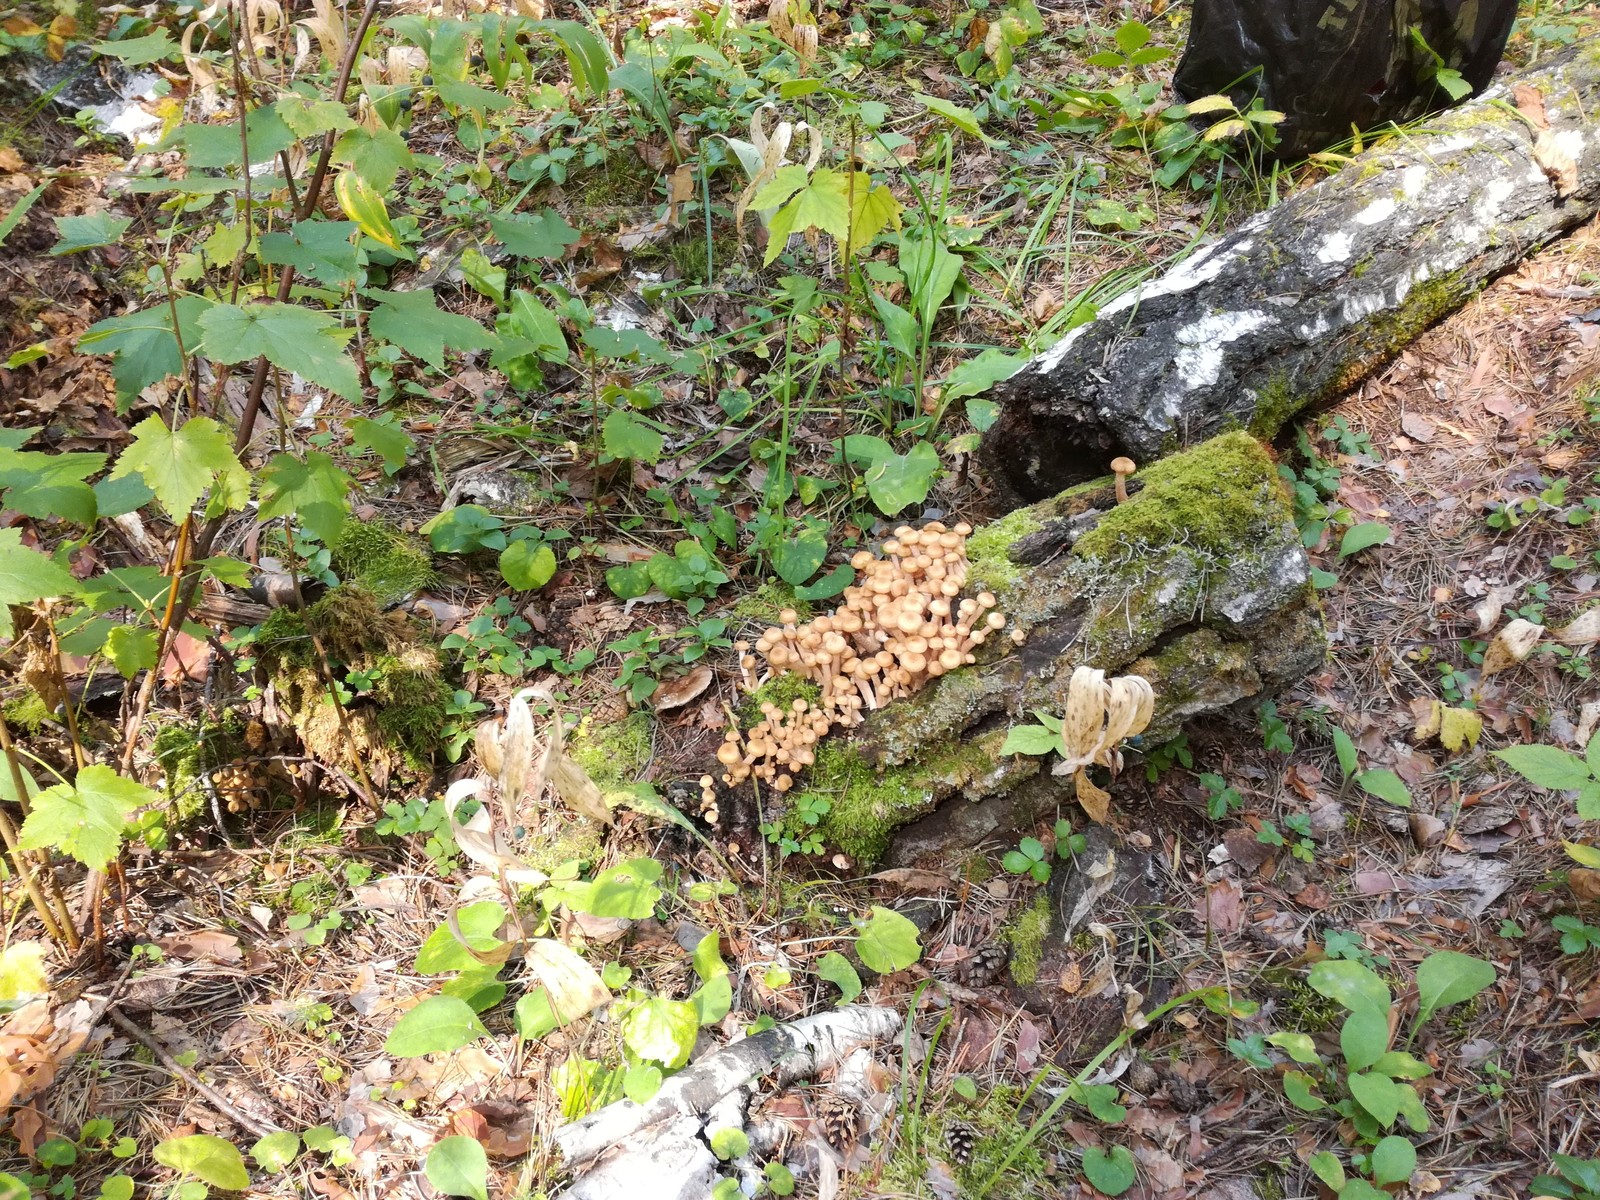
(680, 189)
(1223, 910)
(1419, 427)
(1530, 103)
(1583, 631)
(1095, 802)
(210, 944)
(1511, 645)
(11, 161)
(675, 693)
(914, 880)
(1426, 829)
(1071, 978)
(1556, 150)
(572, 985)
(1585, 883)
(571, 781)
(1489, 608)
(650, 232)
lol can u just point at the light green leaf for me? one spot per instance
(85, 818)
(307, 116)
(140, 51)
(1326, 1167)
(27, 575)
(1364, 1037)
(384, 438)
(276, 1151)
(875, 210)
(1346, 750)
(900, 480)
(1030, 739)
(836, 969)
(729, 1143)
(459, 1166)
(641, 1082)
(290, 336)
(1351, 984)
(1449, 977)
(1393, 1160)
(1112, 1171)
(887, 942)
(712, 1000)
(22, 970)
(534, 1016)
(1297, 1046)
(479, 924)
(963, 119)
(315, 492)
(1397, 1064)
(661, 1030)
(376, 155)
(208, 1158)
(1301, 1090)
(179, 466)
(527, 565)
(797, 559)
(624, 435)
(899, 326)
(708, 962)
(438, 1024)
(1411, 1107)
(544, 234)
(1360, 537)
(12, 1188)
(1378, 1094)
(1546, 766)
(113, 1187)
(87, 233)
(131, 649)
(1385, 785)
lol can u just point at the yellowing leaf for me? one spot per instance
(1511, 645)
(364, 205)
(1460, 729)
(22, 970)
(574, 987)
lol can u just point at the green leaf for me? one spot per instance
(824, 203)
(1111, 1172)
(325, 250)
(143, 343)
(438, 1024)
(628, 582)
(899, 326)
(12, 1188)
(27, 575)
(626, 890)
(140, 51)
(900, 480)
(208, 1158)
(307, 116)
(1360, 1189)
(479, 924)
(1364, 1037)
(1393, 1160)
(963, 119)
(829, 586)
(19, 210)
(480, 986)
(875, 210)
(534, 1015)
(1100, 1099)
(1360, 537)
(707, 959)
(126, 494)
(276, 1151)
(1346, 750)
(1583, 1172)
(1297, 1046)
(113, 1187)
(131, 649)
(1377, 1094)
(465, 528)
(384, 438)
(544, 234)
(1030, 739)
(641, 1082)
(376, 155)
(1449, 977)
(179, 466)
(661, 1030)
(624, 435)
(1301, 1090)
(87, 233)
(1351, 984)
(797, 559)
(1385, 785)
(290, 336)
(586, 55)
(729, 1142)
(1546, 766)
(836, 969)
(85, 818)
(529, 321)
(1326, 1167)
(414, 322)
(458, 1166)
(887, 942)
(1397, 1064)
(527, 565)
(779, 1178)
(712, 1000)
(315, 492)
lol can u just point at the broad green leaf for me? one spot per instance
(975, 377)
(480, 986)
(829, 586)
(479, 924)
(1326, 1167)
(527, 565)
(797, 559)
(624, 435)
(931, 272)
(307, 116)
(1100, 1099)
(112, 1187)
(1112, 1171)
(124, 494)
(1131, 35)
(874, 210)
(22, 970)
(1360, 1189)
(1351, 984)
(364, 204)
(438, 1024)
(384, 438)
(140, 51)
(530, 322)
(544, 234)
(729, 1142)
(315, 492)
(276, 1151)
(1346, 750)
(901, 480)
(85, 818)
(1385, 785)
(1393, 1160)
(180, 465)
(1297, 1046)
(1449, 977)
(1031, 739)
(586, 55)
(1360, 537)
(1583, 855)
(628, 582)
(641, 1082)
(208, 1158)
(1377, 1094)
(1301, 1090)
(414, 321)
(836, 969)
(458, 1166)
(290, 336)
(1411, 1107)
(324, 250)
(625, 890)
(707, 959)
(887, 942)
(963, 119)
(131, 649)
(661, 1030)
(1397, 1064)
(377, 156)
(27, 575)
(899, 326)
(1546, 766)
(712, 1000)
(87, 233)
(143, 343)
(534, 1017)
(1364, 1037)
(1583, 1172)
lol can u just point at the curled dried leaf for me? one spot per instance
(1511, 645)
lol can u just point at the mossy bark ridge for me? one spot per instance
(1199, 583)
(1305, 300)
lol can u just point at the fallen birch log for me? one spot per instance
(1307, 299)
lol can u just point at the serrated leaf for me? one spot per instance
(179, 466)
(377, 155)
(384, 438)
(131, 649)
(143, 344)
(364, 204)
(85, 819)
(314, 491)
(1546, 766)
(27, 575)
(438, 1024)
(324, 250)
(290, 336)
(459, 1166)
(89, 232)
(544, 234)
(625, 436)
(836, 969)
(307, 116)
(887, 942)
(208, 1158)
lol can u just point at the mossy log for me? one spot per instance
(1198, 582)
(1305, 300)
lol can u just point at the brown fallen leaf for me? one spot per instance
(1585, 883)
(210, 944)
(1530, 103)
(1511, 645)
(675, 693)
(1582, 631)
(1556, 151)
(1419, 427)
(1223, 908)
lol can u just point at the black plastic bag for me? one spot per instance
(1334, 66)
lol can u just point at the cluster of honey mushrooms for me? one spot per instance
(901, 625)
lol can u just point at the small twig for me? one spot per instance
(218, 1101)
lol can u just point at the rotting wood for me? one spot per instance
(1305, 300)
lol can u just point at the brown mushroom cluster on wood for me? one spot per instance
(901, 625)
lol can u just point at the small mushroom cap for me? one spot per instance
(1123, 466)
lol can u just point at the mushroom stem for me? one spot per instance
(1122, 468)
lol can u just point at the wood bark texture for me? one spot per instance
(1305, 300)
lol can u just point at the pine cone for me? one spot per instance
(961, 1138)
(984, 967)
(839, 1122)
(608, 710)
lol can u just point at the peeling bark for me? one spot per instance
(1307, 299)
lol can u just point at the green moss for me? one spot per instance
(867, 806)
(614, 755)
(1026, 936)
(783, 690)
(1275, 405)
(389, 564)
(990, 565)
(1303, 1009)
(284, 642)
(176, 748)
(412, 698)
(1000, 1124)
(767, 601)
(1427, 302)
(26, 713)
(1213, 496)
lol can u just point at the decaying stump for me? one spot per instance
(1307, 299)
(1198, 583)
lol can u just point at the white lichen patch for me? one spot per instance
(1199, 363)
(1411, 183)
(1337, 248)
(1378, 211)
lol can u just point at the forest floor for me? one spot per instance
(262, 937)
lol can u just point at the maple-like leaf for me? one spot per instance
(179, 465)
(289, 336)
(415, 323)
(27, 575)
(85, 818)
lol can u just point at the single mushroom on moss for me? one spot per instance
(1122, 468)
